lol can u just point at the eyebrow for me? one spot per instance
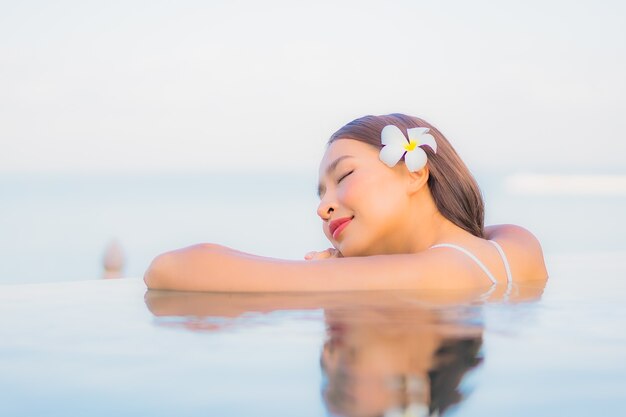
(330, 169)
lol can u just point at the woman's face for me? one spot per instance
(358, 188)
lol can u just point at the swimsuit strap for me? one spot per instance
(507, 268)
(505, 261)
(471, 255)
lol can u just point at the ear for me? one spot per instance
(418, 180)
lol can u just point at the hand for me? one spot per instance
(325, 254)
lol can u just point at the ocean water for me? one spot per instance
(57, 228)
(73, 344)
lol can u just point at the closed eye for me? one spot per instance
(344, 176)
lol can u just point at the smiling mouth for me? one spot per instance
(337, 227)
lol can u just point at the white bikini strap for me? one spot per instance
(509, 276)
(471, 255)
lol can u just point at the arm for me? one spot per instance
(209, 267)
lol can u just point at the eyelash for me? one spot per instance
(341, 179)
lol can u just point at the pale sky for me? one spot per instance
(179, 86)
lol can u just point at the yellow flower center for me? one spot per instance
(410, 146)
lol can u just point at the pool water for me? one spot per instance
(110, 347)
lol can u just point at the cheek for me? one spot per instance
(351, 195)
(372, 195)
(359, 192)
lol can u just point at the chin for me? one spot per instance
(361, 250)
(348, 250)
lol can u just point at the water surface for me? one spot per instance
(112, 348)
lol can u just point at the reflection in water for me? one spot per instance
(385, 354)
(405, 361)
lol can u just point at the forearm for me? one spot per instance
(208, 267)
(219, 269)
(194, 268)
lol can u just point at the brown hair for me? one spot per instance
(451, 184)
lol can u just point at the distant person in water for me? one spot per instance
(401, 210)
(113, 260)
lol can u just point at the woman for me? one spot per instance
(401, 210)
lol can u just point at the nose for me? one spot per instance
(325, 208)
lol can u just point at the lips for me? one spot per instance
(336, 226)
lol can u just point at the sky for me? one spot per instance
(246, 86)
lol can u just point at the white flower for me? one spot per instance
(396, 145)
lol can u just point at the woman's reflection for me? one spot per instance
(385, 354)
(405, 362)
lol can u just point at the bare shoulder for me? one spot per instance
(522, 249)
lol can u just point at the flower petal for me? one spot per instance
(392, 135)
(428, 140)
(416, 132)
(420, 135)
(391, 154)
(415, 160)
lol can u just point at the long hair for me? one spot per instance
(454, 189)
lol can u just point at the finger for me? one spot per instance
(334, 253)
(325, 254)
(313, 255)
(316, 255)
